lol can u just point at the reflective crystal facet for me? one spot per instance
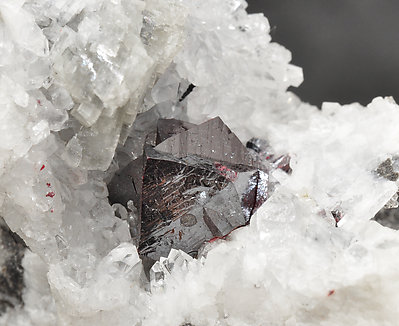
(193, 184)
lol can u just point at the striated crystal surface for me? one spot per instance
(192, 185)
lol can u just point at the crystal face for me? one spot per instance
(193, 184)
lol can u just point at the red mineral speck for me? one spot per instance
(226, 172)
(330, 293)
(50, 194)
(214, 239)
(42, 168)
(52, 210)
(39, 102)
(48, 184)
(220, 238)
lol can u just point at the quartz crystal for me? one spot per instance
(124, 120)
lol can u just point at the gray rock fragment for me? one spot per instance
(386, 170)
(12, 250)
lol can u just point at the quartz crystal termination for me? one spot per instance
(194, 183)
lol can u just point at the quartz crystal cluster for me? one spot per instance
(128, 198)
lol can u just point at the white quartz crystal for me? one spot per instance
(73, 76)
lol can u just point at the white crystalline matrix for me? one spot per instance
(73, 76)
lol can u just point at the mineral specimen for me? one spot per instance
(195, 183)
(84, 87)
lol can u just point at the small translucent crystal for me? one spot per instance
(87, 114)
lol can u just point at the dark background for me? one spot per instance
(348, 49)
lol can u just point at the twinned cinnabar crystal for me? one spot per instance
(193, 183)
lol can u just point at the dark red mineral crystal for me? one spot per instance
(193, 184)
